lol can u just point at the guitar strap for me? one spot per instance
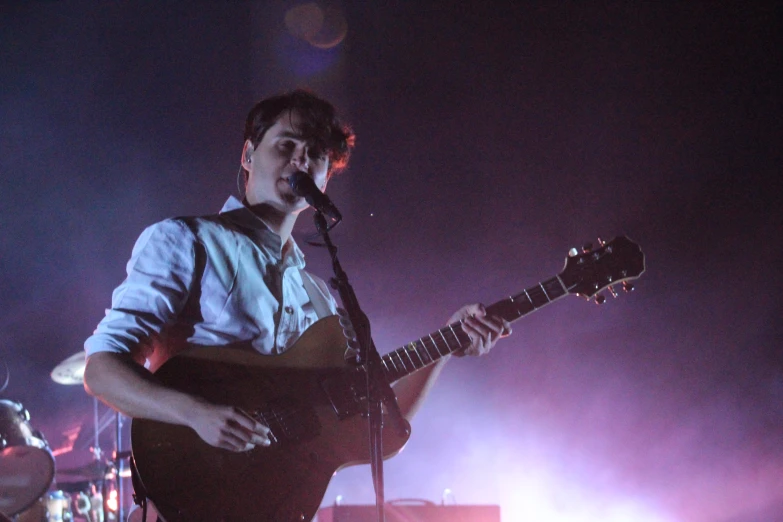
(316, 295)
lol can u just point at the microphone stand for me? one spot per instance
(379, 391)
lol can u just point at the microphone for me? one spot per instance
(304, 186)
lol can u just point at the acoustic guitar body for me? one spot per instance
(310, 397)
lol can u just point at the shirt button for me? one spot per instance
(289, 309)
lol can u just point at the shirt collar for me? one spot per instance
(235, 211)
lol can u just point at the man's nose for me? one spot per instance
(299, 158)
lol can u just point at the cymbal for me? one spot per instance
(71, 370)
(94, 470)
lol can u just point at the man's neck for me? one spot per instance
(278, 222)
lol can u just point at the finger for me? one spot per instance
(476, 338)
(506, 329)
(483, 327)
(244, 420)
(485, 334)
(232, 439)
(256, 428)
(499, 327)
(260, 432)
(234, 430)
(243, 440)
(261, 440)
(228, 446)
(466, 311)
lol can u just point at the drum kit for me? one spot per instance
(32, 489)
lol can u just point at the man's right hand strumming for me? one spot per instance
(123, 384)
(228, 427)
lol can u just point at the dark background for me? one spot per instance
(491, 139)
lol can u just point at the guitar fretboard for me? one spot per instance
(429, 349)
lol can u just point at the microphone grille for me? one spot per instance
(298, 182)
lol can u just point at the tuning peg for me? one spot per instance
(613, 292)
(601, 242)
(587, 247)
(627, 287)
(599, 299)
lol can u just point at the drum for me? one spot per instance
(26, 463)
(54, 507)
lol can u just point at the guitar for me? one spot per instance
(311, 397)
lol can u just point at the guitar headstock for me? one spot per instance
(614, 262)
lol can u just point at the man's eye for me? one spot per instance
(317, 154)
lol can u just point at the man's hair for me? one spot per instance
(319, 124)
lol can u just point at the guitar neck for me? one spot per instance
(451, 338)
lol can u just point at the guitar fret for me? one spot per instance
(448, 346)
(460, 335)
(412, 348)
(407, 365)
(529, 300)
(397, 371)
(436, 343)
(409, 356)
(536, 298)
(524, 306)
(455, 336)
(427, 349)
(437, 349)
(430, 348)
(394, 365)
(514, 307)
(429, 357)
(418, 362)
(583, 274)
(420, 344)
(429, 352)
(511, 301)
(421, 347)
(402, 362)
(401, 370)
(554, 288)
(562, 284)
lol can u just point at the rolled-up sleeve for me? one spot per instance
(160, 277)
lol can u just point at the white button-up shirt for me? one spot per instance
(212, 280)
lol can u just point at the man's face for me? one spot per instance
(282, 151)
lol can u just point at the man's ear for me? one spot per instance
(247, 153)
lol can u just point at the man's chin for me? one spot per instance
(290, 199)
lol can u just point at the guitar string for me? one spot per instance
(285, 418)
(424, 345)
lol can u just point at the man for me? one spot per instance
(236, 278)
